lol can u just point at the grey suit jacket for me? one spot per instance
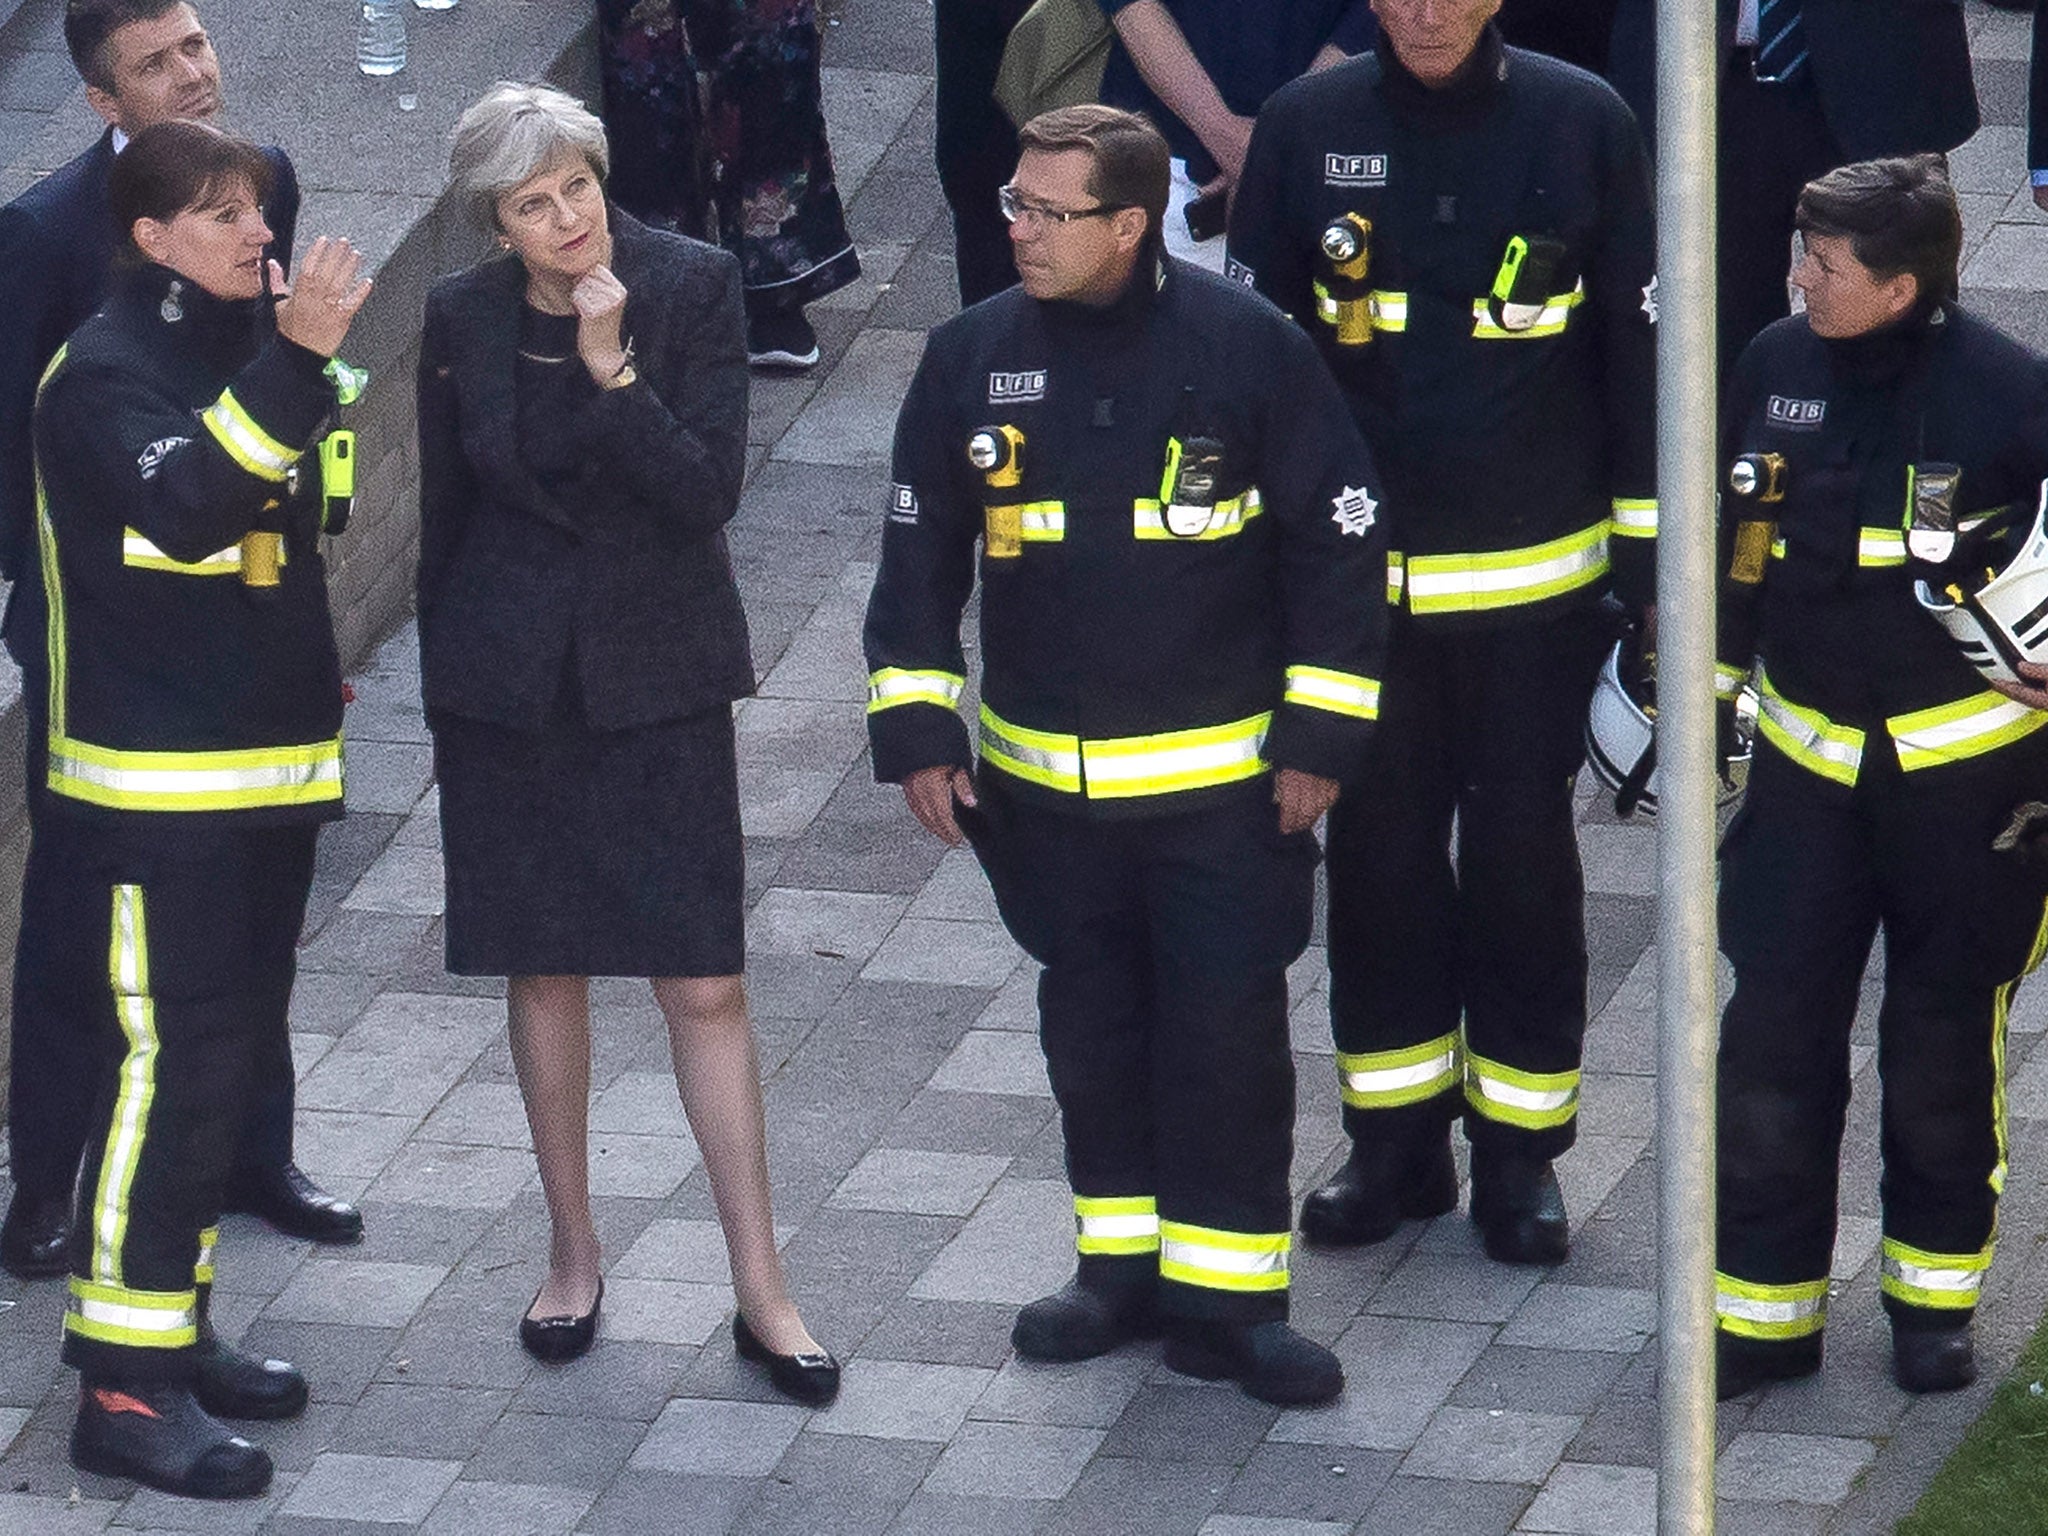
(631, 570)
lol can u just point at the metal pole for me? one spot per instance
(1688, 70)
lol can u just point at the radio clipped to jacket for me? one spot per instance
(1527, 279)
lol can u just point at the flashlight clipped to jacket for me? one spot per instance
(1347, 256)
(998, 452)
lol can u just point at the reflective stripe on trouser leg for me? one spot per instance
(1531, 1101)
(1116, 1225)
(1943, 1282)
(1772, 1313)
(1237, 1262)
(1390, 1079)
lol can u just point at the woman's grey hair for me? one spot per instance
(514, 132)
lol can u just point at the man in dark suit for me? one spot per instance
(2037, 108)
(143, 62)
(1806, 86)
(1573, 30)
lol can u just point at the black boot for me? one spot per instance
(1082, 1319)
(157, 1434)
(36, 1237)
(1519, 1209)
(1382, 1184)
(232, 1385)
(1933, 1359)
(1742, 1365)
(1269, 1360)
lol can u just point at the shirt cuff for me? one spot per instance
(2038, 178)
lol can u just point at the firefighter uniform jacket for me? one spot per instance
(1148, 633)
(1821, 583)
(170, 438)
(1476, 264)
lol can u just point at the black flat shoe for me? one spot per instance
(556, 1339)
(36, 1237)
(810, 1379)
(289, 1201)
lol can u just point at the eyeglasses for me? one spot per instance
(539, 208)
(1018, 210)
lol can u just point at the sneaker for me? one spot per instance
(781, 339)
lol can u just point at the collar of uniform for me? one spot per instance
(1877, 357)
(1148, 281)
(1472, 87)
(222, 331)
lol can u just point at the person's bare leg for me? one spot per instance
(719, 1077)
(550, 1023)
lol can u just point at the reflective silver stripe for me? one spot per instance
(1961, 730)
(246, 442)
(1132, 1225)
(136, 550)
(1039, 756)
(896, 685)
(1880, 546)
(1751, 1309)
(1385, 1080)
(1159, 763)
(1834, 750)
(1042, 520)
(195, 783)
(137, 1319)
(1439, 583)
(1961, 1282)
(1233, 1261)
(1514, 1096)
(1635, 519)
(1342, 693)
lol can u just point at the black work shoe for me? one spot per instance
(36, 1237)
(1742, 1365)
(1080, 1321)
(1269, 1360)
(781, 339)
(1933, 1359)
(157, 1434)
(1519, 1209)
(232, 1385)
(289, 1201)
(1382, 1184)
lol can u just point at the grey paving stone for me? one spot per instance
(1422, 1506)
(1583, 1318)
(508, 1509)
(1013, 1461)
(479, 1178)
(1165, 1423)
(1427, 1284)
(1016, 1006)
(1583, 1500)
(675, 1504)
(404, 879)
(903, 1400)
(947, 951)
(1314, 1483)
(447, 1423)
(482, 1115)
(889, 1471)
(671, 1249)
(1091, 1393)
(834, 925)
(1264, 1525)
(931, 1015)
(31, 1515)
(1017, 1247)
(356, 1291)
(330, 1143)
(1734, 1518)
(719, 1439)
(1490, 1445)
(852, 418)
(783, 1509)
(1542, 1380)
(618, 1379)
(1136, 1498)
(1796, 1469)
(983, 1123)
(943, 1333)
(392, 1490)
(1399, 1372)
(147, 1510)
(639, 1104)
(935, 1183)
(576, 1451)
(388, 776)
(641, 1167)
(948, 1514)
(664, 1311)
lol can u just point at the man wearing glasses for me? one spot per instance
(1181, 566)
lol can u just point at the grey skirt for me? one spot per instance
(579, 852)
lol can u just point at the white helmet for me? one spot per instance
(1621, 732)
(2005, 621)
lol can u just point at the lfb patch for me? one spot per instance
(1354, 170)
(1798, 415)
(1015, 388)
(902, 504)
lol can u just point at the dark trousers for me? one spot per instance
(975, 141)
(1480, 731)
(188, 947)
(1163, 1012)
(54, 1072)
(1809, 873)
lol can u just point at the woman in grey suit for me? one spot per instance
(583, 412)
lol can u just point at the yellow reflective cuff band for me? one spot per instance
(1880, 547)
(1509, 577)
(1948, 1282)
(1390, 1079)
(1807, 736)
(1123, 1224)
(1729, 681)
(1038, 757)
(196, 781)
(202, 1267)
(112, 1314)
(139, 552)
(1967, 728)
(1397, 577)
(1223, 1261)
(1226, 520)
(1342, 693)
(1123, 767)
(1635, 519)
(1535, 1101)
(1550, 320)
(1772, 1312)
(246, 443)
(1036, 522)
(891, 687)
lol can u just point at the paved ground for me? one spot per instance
(916, 1154)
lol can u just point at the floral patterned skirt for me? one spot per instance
(717, 131)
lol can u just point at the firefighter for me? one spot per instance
(194, 746)
(1465, 229)
(1179, 531)
(1884, 451)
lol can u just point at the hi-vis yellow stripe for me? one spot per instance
(140, 552)
(113, 1314)
(1342, 693)
(1226, 520)
(53, 585)
(135, 1084)
(1773, 1312)
(245, 442)
(1535, 1101)
(1117, 1224)
(1390, 1079)
(1124, 767)
(1223, 1261)
(1967, 728)
(1807, 736)
(1943, 1282)
(196, 781)
(202, 1267)
(1550, 320)
(1635, 519)
(1387, 309)
(892, 687)
(1508, 577)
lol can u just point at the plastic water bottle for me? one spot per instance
(435, 5)
(380, 42)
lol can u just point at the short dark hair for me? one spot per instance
(89, 23)
(1899, 217)
(1133, 167)
(171, 167)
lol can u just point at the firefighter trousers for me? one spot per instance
(185, 937)
(1810, 872)
(1163, 1013)
(1461, 981)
